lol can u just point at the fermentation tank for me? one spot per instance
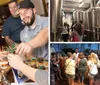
(55, 16)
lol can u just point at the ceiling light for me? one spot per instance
(81, 4)
(98, 2)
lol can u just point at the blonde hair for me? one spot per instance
(92, 58)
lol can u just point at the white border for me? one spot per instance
(75, 42)
(49, 42)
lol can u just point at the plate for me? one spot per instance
(3, 68)
(4, 63)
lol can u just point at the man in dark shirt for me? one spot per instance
(12, 26)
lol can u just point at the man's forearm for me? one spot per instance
(41, 39)
(8, 40)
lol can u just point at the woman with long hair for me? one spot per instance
(77, 32)
(82, 65)
(92, 68)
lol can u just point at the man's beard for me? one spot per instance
(32, 20)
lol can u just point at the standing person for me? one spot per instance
(78, 31)
(35, 24)
(75, 57)
(75, 54)
(13, 25)
(66, 25)
(52, 71)
(70, 68)
(83, 29)
(82, 65)
(62, 60)
(56, 64)
(52, 74)
(92, 69)
(65, 32)
(73, 24)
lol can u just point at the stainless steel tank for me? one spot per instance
(55, 16)
(81, 16)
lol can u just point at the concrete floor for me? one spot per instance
(86, 82)
(65, 82)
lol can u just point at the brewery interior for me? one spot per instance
(67, 11)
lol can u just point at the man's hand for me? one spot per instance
(3, 54)
(15, 61)
(23, 48)
(8, 40)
